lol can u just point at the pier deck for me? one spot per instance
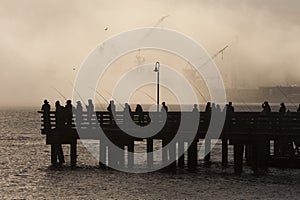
(265, 140)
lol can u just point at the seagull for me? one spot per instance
(106, 28)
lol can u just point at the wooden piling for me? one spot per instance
(164, 151)
(224, 152)
(207, 149)
(130, 154)
(150, 152)
(192, 155)
(102, 153)
(73, 153)
(181, 152)
(238, 149)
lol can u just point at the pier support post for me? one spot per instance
(172, 153)
(130, 155)
(192, 155)
(181, 152)
(225, 152)
(238, 149)
(207, 149)
(164, 151)
(73, 153)
(102, 153)
(150, 152)
(53, 154)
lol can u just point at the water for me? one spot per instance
(25, 173)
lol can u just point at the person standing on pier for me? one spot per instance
(111, 108)
(266, 108)
(78, 113)
(208, 107)
(282, 109)
(46, 113)
(139, 111)
(68, 114)
(60, 128)
(229, 108)
(90, 110)
(195, 109)
(164, 107)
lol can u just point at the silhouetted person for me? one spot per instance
(164, 107)
(90, 110)
(60, 128)
(208, 107)
(266, 108)
(218, 108)
(78, 113)
(298, 110)
(195, 109)
(46, 114)
(59, 116)
(111, 108)
(229, 108)
(213, 107)
(282, 109)
(68, 114)
(127, 113)
(139, 111)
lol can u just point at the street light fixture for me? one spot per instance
(156, 69)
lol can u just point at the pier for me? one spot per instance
(260, 140)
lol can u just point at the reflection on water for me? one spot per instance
(25, 173)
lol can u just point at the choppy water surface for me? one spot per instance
(25, 173)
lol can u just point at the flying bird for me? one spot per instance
(106, 28)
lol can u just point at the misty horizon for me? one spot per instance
(44, 43)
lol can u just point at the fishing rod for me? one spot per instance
(147, 95)
(115, 99)
(286, 97)
(73, 87)
(99, 94)
(59, 92)
(213, 57)
(99, 102)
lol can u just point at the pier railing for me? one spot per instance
(253, 130)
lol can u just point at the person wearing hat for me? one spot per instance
(46, 114)
(68, 114)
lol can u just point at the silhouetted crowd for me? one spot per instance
(64, 117)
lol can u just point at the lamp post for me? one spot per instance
(156, 69)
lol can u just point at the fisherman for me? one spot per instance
(68, 114)
(164, 107)
(229, 108)
(46, 114)
(90, 110)
(140, 113)
(282, 109)
(266, 108)
(208, 107)
(60, 128)
(78, 112)
(127, 114)
(195, 109)
(111, 108)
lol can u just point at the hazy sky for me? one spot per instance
(41, 41)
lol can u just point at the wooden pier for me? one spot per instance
(264, 140)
